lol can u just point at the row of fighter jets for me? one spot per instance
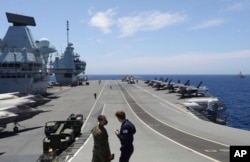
(185, 89)
(209, 106)
(16, 107)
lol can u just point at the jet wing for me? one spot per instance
(6, 96)
(6, 117)
(15, 114)
(15, 102)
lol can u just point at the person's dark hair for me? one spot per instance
(120, 115)
(100, 117)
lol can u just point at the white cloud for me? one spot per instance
(146, 21)
(103, 20)
(129, 25)
(237, 7)
(209, 23)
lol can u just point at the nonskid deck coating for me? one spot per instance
(185, 139)
(206, 148)
(150, 145)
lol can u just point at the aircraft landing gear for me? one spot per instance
(15, 129)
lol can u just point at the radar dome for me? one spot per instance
(44, 42)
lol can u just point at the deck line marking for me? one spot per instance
(164, 135)
(179, 111)
(92, 109)
(177, 128)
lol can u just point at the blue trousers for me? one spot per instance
(126, 153)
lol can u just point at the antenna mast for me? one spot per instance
(67, 32)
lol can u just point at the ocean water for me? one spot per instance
(233, 92)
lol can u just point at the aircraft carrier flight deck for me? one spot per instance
(166, 131)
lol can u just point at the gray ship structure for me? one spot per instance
(240, 75)
(23, 61)
(69, 68)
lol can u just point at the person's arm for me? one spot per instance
(105, 144)
(124, 134)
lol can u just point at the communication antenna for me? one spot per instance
(61, 49)
(67, 32)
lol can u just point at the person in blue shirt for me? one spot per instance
(126, 136)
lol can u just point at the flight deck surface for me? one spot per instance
(165, 130)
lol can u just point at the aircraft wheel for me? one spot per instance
(15, 129)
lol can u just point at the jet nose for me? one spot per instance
(46, 99)
(177, 90)
(35, 111)
(38, 111)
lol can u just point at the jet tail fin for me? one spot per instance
(199, 84)
(187, 82)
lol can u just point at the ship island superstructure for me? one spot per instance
(23, 61)
(68, 68)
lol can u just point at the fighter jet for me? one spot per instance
(16, 98)
(15, 114)
(15, 102)
(81, 78)
(155, 83)
(159, 84)
(164, 84)
(173, 86)
(11, 95)
(189, 90)
(14, 109)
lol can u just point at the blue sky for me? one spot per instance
(144, 37)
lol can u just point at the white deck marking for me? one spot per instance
(92, 109)
(171, 127)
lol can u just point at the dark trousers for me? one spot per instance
(126, 153)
